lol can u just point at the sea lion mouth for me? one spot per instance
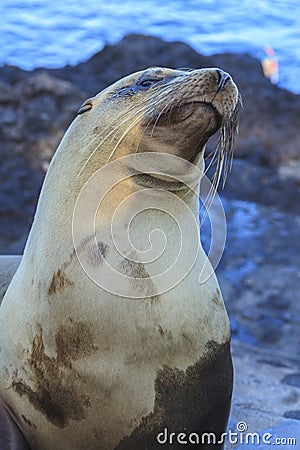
(152, 181)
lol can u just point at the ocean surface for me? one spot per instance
(39, 33)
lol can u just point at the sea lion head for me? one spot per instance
(162, 110)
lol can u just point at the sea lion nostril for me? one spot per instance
(223, 77)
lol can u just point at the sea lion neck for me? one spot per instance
(158, 110)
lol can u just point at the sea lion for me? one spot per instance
(85, 368)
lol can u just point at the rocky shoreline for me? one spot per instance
(259, 273)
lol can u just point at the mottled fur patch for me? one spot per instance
(73, 341)
(95, 252)
(28, 422)
(139, 278)
(56, 393)
(59, 281)
(134, 269)
(217, 299)
(166, 334)
(195, 400)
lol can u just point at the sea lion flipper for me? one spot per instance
(11, 437)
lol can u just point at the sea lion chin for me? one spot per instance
(83, 366)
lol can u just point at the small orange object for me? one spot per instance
(270, 65)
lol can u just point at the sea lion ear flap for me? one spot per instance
(86, 106)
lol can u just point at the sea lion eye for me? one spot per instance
(147, 83)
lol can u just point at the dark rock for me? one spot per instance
(34, 114)
(268, 128)
(134, 52)
(292, 415)
(292, 379)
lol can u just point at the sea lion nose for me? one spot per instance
(223, 77)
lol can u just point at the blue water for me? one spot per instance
(36, 33)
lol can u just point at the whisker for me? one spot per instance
(222, 155)
(110, 134)
(161, 102)
(129, 128)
